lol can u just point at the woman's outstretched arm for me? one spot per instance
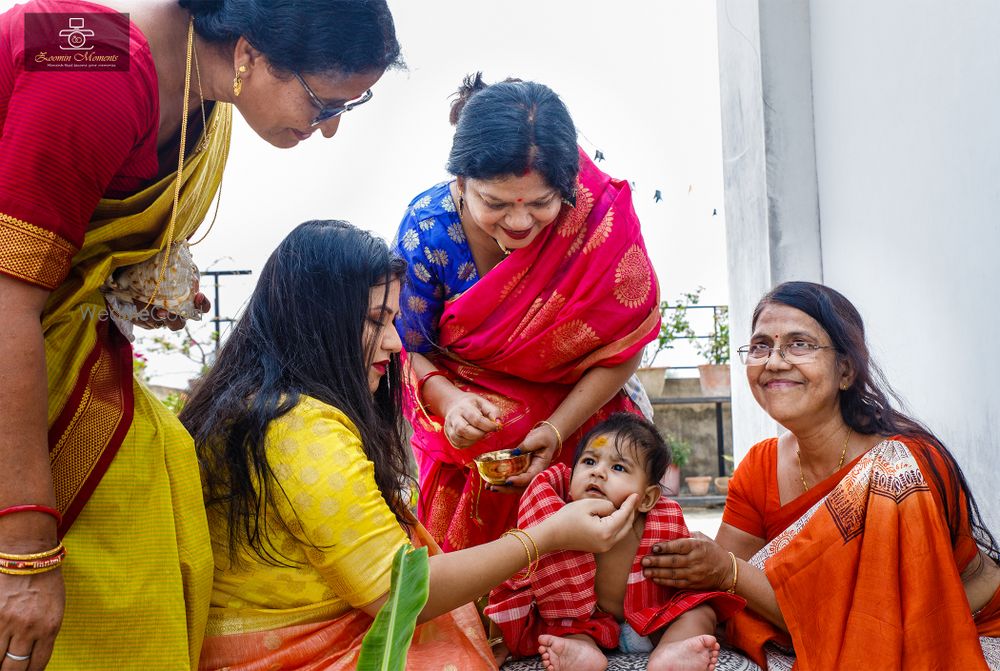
(703, 564)
(458, 578)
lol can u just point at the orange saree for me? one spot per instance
(875, 557)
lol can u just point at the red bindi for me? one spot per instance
(520, 200)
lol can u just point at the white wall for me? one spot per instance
(907, 127)
(904, 127)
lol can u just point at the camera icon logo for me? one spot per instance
(76, 36)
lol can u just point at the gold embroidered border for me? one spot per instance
(75, 453)
(33, 254)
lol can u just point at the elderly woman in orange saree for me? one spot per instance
(528, 301)
(858, 512)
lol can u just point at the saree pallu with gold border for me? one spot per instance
(867, 579)
(582, 294)
(311, 640)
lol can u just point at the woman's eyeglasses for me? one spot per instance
(327, 112)
(794, 353)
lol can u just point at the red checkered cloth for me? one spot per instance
(559, 597)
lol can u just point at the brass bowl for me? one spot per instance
(497, 467)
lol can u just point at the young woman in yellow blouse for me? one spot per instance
(298, 427)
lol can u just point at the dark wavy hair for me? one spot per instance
(306, 36)
(510, 128)
(631, 430)
(301, 333)
(868, 406)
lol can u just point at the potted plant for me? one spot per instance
(680, 452)
(714, 376)
(674, 325)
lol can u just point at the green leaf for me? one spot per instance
(386, 643)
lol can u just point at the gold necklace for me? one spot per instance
(843, 453)
(506, 252)
(180, 166)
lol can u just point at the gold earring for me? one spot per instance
(238, 81)
(461, 202)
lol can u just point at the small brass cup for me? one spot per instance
(497, 467)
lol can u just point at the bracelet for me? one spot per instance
(527, 552)
(36, 555)
(19, 567)
(31, 564)
(423, 380)
(532, 540)
(736, 574)
(559, 442)
(32, 508)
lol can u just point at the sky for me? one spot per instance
(640, 80)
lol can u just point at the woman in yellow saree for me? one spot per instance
(88, 187)
(298, 428)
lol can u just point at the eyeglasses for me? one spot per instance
(327, 112)
(795, 352)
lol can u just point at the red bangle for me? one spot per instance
(32, 508)
(422, 381)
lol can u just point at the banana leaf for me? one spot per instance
(385, 645)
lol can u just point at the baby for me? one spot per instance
(573, 604)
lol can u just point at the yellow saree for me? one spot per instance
(139, 573)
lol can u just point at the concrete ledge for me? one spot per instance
(709, 501)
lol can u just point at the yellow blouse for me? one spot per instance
(330, 498)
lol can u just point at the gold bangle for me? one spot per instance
(559, 442)
(736, 574)
(30, 571)
(36, 555)
(527, 552)
(532, 540)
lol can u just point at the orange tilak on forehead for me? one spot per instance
(599, 442)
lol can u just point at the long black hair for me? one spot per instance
(510, 128)
(306, 36)
(869, 404)
(301, 333)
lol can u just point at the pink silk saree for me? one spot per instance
(582, 294)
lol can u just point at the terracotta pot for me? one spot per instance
(671, 481)
(698, 484)
(714, 379)
(652, 380)
(722, 484)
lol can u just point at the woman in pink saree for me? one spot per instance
(528, 301)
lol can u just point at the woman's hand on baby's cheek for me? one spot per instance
(588, 525)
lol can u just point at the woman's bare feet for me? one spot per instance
(571, 654)
(698, 653)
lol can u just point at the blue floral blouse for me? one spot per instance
(439, 265)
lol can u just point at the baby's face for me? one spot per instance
(607, 471)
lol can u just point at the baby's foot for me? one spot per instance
(698, 653)
(570, 654)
